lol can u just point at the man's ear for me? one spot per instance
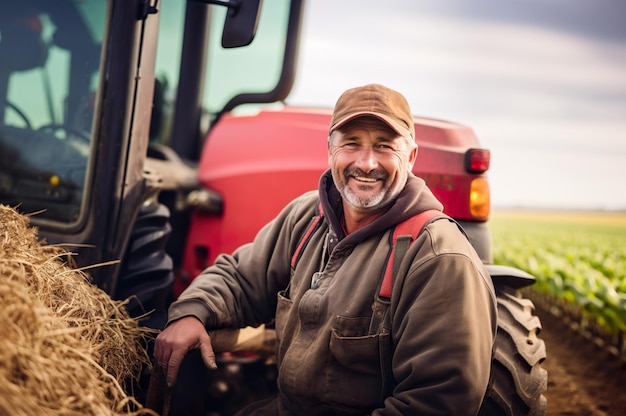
(413, 156)
(330, 158)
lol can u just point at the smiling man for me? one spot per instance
(370, 151)
(427, 353)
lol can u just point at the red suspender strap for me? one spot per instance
(407, 231)
(307, 235)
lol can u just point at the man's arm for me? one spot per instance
(238, 290)
(443, 331)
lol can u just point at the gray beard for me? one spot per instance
(373, 203)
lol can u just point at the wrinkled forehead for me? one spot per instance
(370, 123)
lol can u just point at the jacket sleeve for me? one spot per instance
(240, 289)
(443, 330)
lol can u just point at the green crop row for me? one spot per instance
(578, 257)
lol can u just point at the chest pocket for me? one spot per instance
(355, 364)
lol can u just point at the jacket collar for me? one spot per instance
(414, 198)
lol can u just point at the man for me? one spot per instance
(331, 359)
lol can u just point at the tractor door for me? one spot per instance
(76, 83)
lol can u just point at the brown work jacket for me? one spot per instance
(434, 359)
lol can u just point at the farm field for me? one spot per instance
(579, 259)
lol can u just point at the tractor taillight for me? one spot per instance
(479, 199)
(477, 160)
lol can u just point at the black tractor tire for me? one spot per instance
(146, 273)
(518, 381)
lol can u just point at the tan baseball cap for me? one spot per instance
(377, 101)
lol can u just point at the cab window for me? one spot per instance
(49, 60)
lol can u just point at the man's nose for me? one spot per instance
(366, 159)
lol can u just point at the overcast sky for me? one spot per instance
(541, 82)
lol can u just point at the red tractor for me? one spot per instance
(113, 163)
(285, 151)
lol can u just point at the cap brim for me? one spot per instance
(397, 127)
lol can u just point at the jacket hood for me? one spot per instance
(413, 199)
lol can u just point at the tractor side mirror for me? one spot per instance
(241, 22)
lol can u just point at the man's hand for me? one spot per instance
(176, 340)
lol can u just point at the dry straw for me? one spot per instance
(66, 348)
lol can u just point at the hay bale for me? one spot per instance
(66, 347)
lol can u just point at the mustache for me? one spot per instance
(375, 174)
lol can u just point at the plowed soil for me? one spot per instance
(584, 379)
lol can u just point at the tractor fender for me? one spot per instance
(509, 276)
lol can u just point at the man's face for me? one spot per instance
(370, 163)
